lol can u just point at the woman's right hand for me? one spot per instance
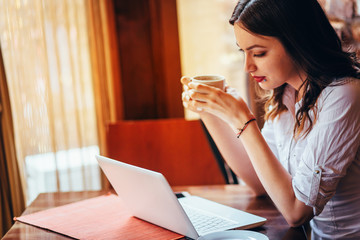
(186, 99)
(203, 98)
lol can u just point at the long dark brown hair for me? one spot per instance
(308, 37)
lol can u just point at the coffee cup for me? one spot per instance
(211, 80)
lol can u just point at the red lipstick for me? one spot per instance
(259, 79)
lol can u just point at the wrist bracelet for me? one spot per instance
(245, 125)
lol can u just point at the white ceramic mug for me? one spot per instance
(211, 80)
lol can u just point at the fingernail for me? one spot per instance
(199, 109)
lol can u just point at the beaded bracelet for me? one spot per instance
(245, 125)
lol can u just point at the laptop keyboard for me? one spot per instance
(205, 222)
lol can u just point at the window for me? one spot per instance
(46, 56)
(207, 42)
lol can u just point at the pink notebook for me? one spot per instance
(103, 217)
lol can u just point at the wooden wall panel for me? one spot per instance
(149, 58)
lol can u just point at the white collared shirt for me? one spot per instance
(325, 165)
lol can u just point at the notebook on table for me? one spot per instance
(149, 197)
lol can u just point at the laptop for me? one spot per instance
(149, 197)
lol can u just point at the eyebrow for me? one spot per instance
(251, 47)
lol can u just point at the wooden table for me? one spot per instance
(236, 196)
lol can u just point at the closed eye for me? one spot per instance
(260, 54)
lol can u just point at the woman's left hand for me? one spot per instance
(213, 100)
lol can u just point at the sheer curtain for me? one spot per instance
(45, 48)
(12, 201)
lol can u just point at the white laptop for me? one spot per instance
(149, 197)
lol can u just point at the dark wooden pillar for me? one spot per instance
(148, 46)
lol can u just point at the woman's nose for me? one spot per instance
(249, 65)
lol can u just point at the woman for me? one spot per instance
(306, 157)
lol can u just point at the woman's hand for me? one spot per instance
(186, 99)
(203, 98)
